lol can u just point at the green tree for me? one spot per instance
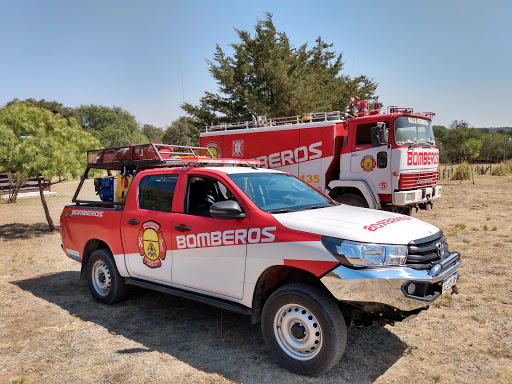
(183, 131)
(114, 127)
(267, 75)
(153, 133)
(441, 134)
(36, 142)
(52, 106)
(463, 144)
(457, 124)
(472, 147)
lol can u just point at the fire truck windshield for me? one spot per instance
(413, 131)
(280, 192)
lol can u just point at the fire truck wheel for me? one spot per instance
(351, 199)
(304, 329)
(106, 284)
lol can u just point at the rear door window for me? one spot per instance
(156, 192)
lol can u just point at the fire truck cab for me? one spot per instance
(378, 159)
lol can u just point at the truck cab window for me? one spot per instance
(202, 192)
(363, 134)
(156, 192)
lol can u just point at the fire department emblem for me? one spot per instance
(151, 244)
(238, 148)
(368, 163)
(214, 148)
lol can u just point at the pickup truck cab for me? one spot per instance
(256, 241)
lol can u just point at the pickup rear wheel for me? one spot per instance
(304, 329)
(105, 283)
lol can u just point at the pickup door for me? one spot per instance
(148, 227)
(208, 253)
(177, 242)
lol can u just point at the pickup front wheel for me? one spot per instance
(106, 284)
(304, 329)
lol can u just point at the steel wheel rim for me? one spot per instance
(298, 332)
(101, 279)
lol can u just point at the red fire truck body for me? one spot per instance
(383, 161)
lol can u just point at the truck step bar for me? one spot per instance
(219, 303)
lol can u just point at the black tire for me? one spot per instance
(304, 329)
(105, 283)
(351, 199)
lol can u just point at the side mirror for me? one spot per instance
(379, 134)
(227, 209)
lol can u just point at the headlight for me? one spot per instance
(355, 254)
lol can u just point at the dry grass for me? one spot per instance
(52, 331)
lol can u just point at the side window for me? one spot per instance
(382, 160)
(204, 191)
(363, 134)
(156, 192)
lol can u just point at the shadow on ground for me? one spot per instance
(20, 231)
(207, 338)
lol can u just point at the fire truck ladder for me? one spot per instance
(263, 121)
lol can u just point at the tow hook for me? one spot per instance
(455, 290)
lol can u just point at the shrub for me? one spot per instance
(500, 170)
(462, 172)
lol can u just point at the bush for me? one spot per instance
(462, 172)
(500, 170)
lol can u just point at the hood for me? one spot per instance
(358, 224)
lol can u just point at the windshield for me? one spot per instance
(413, 131)
(279, 192)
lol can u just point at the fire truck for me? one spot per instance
(382, 159)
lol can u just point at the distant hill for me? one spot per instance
(495, 129)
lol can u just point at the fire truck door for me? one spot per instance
(147, 228)
(210, 253)
(372, 162)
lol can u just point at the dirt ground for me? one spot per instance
(51, 330)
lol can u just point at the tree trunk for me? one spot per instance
(16, 181)
(45, 206)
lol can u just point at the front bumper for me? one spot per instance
(417, 196)
(388, 285)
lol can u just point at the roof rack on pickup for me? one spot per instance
(263, 121)
(155, 155)
(132, 159)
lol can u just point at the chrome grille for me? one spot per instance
(426, 252)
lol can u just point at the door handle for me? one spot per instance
(133, 221)
(182, 228)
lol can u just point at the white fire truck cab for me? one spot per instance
(379, 159)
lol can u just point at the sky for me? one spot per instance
(148, 57)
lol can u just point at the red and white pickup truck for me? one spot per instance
(257, 241)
